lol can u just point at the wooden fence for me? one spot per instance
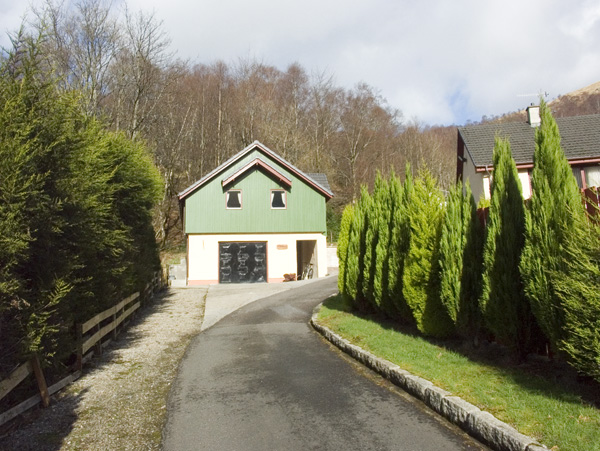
(591, 200)
(90, 337)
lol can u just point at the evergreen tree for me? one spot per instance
(503, 304)
(452, 244)
(355, 258)
(75, 211)
(399, 243)
(577, 287)
(460, 259)
(342, 248)
(374, 222)
(555, 211)
(363, 255)
(388, 200)
(421, 267)
(469, 317)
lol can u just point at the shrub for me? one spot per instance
(577, 287)
(342, 248)
(399, 245)
(503, 304)
(555, 210)
(388, 200)
(75, 211)
(459, 255)
(421, 268)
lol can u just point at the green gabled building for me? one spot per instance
(255, 218)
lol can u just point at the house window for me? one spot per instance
(234, 199)
(592, 176)
(278, 199)
(486, 187)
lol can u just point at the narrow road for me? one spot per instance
(263, 379)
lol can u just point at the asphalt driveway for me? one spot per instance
(262, 379)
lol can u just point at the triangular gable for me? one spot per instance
(268, 152)
(257, 162)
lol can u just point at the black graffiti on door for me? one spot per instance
(242, 262)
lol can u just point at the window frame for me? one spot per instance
(240, 198)
(284, 199)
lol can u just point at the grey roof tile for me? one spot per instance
(580, 139)
(320, 179)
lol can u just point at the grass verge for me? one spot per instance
(539, 398)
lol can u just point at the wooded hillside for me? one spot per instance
(195, 115)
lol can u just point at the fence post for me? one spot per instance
(114, 320)
(41, 380)
(79, 347)
(98, 344)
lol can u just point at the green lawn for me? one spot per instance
(540, 399)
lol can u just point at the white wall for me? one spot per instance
(476, 179)
(203, 255)
(480, 181)
(525, 183)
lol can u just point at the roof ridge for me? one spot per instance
(255, 144)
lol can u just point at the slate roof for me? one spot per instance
(580, 139)
(321, 179)
(319, 183)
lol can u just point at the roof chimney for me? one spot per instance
(533, 115)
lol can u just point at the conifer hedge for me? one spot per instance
(460, 259)
(555, 212)
(421, 269)
(75, 212)
(342, 248)
(417, 256)
(399, 244)
(503, 304)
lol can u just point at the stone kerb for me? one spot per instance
(481, 425)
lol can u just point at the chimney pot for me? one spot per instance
(533, 115)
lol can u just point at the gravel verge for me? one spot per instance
(119, 403)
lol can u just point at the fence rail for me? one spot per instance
(89, 335)
(118, 313)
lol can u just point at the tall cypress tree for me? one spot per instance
(399, 243)
(469, 317)
(458, 259)
(555, 210)
(452, 243)
(577, 286)
(503, 304)
(355, 257)
(342, 248)
(388, 200)
(364, 218)
(373, 205)
(421, 267)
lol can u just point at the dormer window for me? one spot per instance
(234, 199)
(278, 199)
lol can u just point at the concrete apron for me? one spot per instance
(223, 299)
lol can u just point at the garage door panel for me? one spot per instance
(242, 262)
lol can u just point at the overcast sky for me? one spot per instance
(437, 61)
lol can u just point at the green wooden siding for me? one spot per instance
(206, 212)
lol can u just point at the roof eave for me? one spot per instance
(195, 186)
